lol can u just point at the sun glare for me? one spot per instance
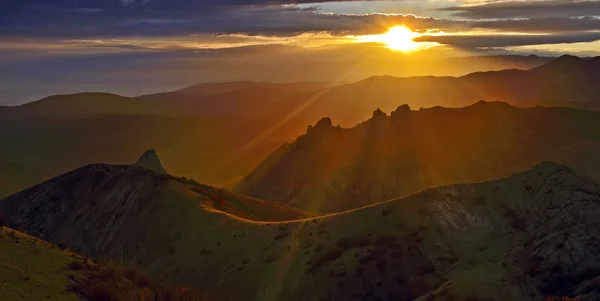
(398, 38)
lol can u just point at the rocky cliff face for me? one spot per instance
(526, 237)
(100, 200)
(331, 169)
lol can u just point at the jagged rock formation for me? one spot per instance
(331, 169)
(529, 236)
(151, 161)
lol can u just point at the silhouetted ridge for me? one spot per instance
(151, 161)
(401, 110)
(324, 122)
(385, 157)
(491, 104)
(379, 114)
(567, 62)
(321, 126)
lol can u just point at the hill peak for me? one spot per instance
(379, 114)
(151, 161)
(562, 62)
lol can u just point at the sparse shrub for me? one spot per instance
(516, 221)
(271, 258)
(472, 298)
(3, 220)
(281, 235)
(381, 266)
(126, 285)
(533, 265)
(131, 274)
(426, 270)
(478, 200)
(62, 246)
(205, 252)
(319, 248)
(108, 274)
(76, 265)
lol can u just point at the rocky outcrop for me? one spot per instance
(151, 161)
(336, 169)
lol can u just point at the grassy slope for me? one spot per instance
(242, 206)
(32, 270)
(433, 244)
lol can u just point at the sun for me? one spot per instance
(398, 38)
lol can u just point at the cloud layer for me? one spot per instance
(59, 41)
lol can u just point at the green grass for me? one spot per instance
(32, 270)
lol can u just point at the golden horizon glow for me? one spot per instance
(399, 38)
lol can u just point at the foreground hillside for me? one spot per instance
(33, 270)
(525, 237)
(332, 169)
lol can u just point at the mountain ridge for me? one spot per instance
(332, 168)
(188, 102)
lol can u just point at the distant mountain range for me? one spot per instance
(526, 237)
(567, 80)
(217, 133)
(332, 169)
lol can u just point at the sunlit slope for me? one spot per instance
(33, 270)
(517, 238)
(331, 169)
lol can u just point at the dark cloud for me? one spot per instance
(528, 9)
(72, 19)
(541, 24)
(480, 41)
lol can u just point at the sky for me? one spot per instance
(135, 47)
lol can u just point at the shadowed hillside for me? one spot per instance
(331, 169)
(526, 237)
(214, 151)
